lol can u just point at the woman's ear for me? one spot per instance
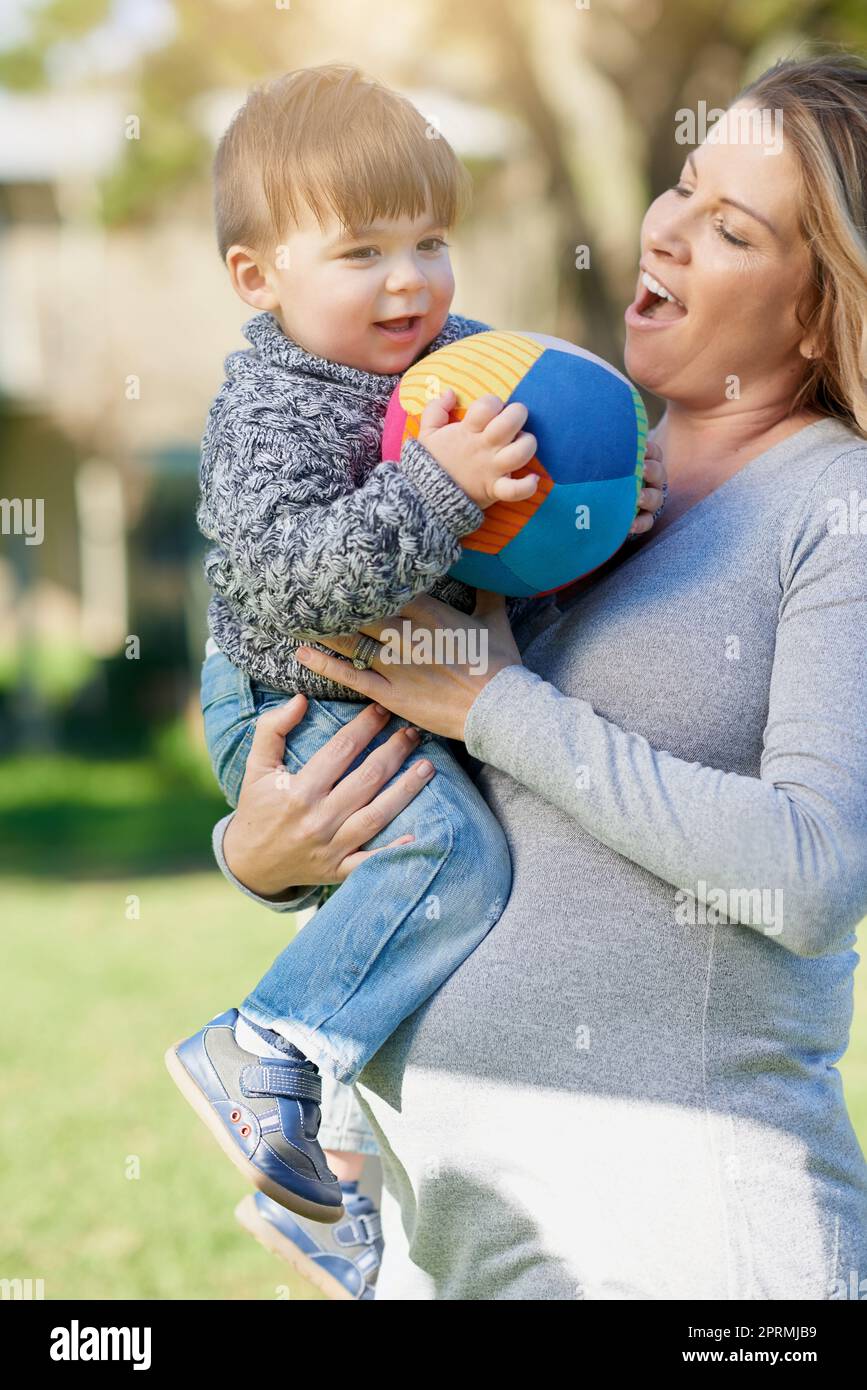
(250, 279)
(808, 311)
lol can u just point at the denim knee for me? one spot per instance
(480, 846)
(479, 863)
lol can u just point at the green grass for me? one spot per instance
(79, 818)
(93, 998)
(853, 1067)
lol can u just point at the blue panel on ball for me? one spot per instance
(582, 415)
(551, 550)
(488, 572)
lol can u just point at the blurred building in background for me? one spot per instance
(109, 350)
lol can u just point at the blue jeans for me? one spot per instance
(398, 926)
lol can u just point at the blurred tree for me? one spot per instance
(575, 77)
(550, 63)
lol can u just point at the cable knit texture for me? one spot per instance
(313, 533)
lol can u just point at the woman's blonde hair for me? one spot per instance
(338, 141)
(823, 101)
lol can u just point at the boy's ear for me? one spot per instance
(249, 277)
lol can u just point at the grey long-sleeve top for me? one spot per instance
(629, 1089)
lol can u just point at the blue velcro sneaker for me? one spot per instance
(264, 1113)
(341, 1260)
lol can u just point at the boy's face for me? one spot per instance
(332, 292)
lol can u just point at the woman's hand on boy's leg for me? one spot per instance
(291, 829)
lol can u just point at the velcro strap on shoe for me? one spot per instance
(372, 1224)
(278, 1079)
(359, 1230)
(367, 1260)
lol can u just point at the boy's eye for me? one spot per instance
(366, 253)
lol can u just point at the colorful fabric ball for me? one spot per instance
(591, 428)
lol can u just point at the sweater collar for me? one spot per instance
(275, 347)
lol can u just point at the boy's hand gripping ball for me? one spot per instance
(591, 429)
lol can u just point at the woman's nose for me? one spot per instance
(666, 235)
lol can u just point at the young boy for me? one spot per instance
(332, 208)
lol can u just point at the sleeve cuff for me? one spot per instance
(448, 503)
(308, 898)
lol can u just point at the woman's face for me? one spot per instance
(725, 242)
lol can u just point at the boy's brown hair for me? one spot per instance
(342, 143)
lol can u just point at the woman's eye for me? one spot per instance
(683, 192)
(727, 236)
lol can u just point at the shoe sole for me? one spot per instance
(188, 1088)
(267, 1234)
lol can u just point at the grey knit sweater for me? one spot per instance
(313, 534)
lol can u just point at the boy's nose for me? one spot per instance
(407, 274)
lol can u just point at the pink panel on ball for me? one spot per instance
(394, 427)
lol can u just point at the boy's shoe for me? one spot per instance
(342, 1261)
(264, 1113)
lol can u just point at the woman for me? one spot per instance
(628, 1090)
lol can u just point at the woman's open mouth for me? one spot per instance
(401, 330)
(654, 305)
